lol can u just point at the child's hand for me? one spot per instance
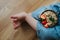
(17, 19)
(16, 22)
(21, 17)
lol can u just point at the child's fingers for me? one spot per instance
(14, 19)
(16, 24)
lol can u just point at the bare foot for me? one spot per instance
(16, 19)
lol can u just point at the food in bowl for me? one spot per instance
(48, 18)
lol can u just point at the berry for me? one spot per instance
(46, 25)
(44, 22)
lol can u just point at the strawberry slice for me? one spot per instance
(44, 22)
(46, 26)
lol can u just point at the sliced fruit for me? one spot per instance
(46, 26)
(43, 16)
(44, 22)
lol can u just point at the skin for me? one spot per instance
(16, 19)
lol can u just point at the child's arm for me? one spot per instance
(23, 16)
(31, 21)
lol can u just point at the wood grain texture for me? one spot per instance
(10, 7)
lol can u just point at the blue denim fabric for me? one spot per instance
(47, 33)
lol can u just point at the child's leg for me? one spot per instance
(28, 18)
